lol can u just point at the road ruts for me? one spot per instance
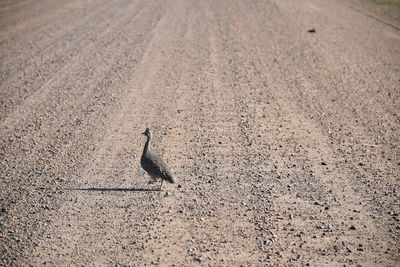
(284, 143)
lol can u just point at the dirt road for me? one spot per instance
(284, 142)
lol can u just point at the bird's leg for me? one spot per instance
(162, 181)
(153, 179)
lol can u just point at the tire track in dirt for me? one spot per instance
(79, 66)
(44, 39)
(351, 208)
(118, 208)
(71, 134)
(13, 59)
(11, 13)
(208, 220)
(39, 74)
(20, 46)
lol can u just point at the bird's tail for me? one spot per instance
(171, 179)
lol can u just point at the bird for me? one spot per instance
(153, 164)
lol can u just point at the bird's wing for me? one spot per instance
(159, 167)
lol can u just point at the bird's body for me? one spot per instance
(153, 164)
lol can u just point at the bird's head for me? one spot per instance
(147, 132)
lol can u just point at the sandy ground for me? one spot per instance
(284, 142)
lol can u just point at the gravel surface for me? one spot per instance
(279, 119)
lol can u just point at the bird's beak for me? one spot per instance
(144, 133)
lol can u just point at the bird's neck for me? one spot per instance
(147, 145)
